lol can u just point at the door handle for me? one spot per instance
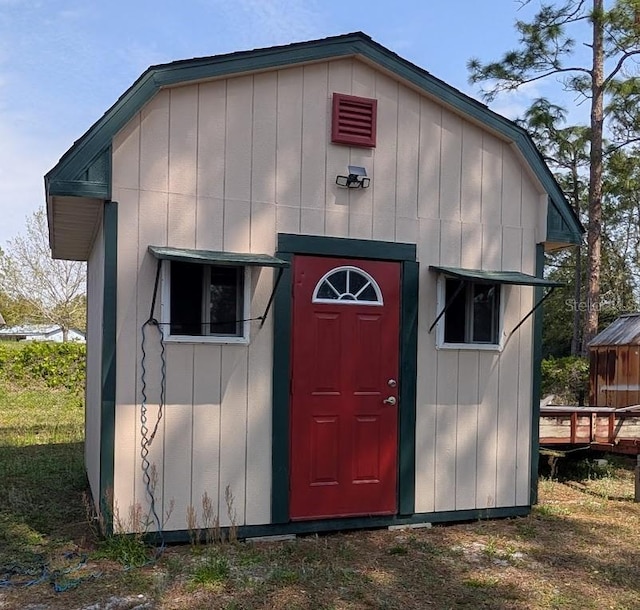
(391, 400)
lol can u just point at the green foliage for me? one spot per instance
(567, 378)
(129, 550)
(214, 570)
(44, 364)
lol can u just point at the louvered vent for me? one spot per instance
(354, 120)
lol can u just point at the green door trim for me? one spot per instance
(288, 246)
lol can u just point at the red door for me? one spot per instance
(344, 372)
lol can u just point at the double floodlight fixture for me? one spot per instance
(357, 178)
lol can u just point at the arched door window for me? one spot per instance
(348, 285)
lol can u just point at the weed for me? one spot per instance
(128, 550)
(231, 513)
(398, 549)
(550, 511)
(284, 576)
(210, 521)
(480, 582)
(192, 525)
(213, 570)
(526, 529)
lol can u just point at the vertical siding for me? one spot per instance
(93, 396)
(226, 165)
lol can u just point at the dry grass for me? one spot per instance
(580, 548)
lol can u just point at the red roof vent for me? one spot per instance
(354, 120)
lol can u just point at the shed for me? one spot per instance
(311, 274)
(614, 364)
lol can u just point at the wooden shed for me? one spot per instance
(311, 274)
(614, 364)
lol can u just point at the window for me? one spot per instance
(472, 313)
(207, 301)
(348, 285)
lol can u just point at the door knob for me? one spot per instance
(391, 400)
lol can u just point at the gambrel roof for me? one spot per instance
(81, 180)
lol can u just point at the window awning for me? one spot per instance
(495, 277)
(209, 257)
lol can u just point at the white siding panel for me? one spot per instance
(491, 180)
(428, 254)
(209, 215)
(487, 429)
(263, 152)
(238, 141)
(178, 431)
(315, 137)
(471, 249)
(124, 462)
(233, 434)
(125, 169)
(361, 201)
(212, 112)
(471, 191)
(491, 247)
(450, 168)
(183, 140)
(430, 159)
(467, 430)
(407, 159)
(289, 139)
(181, 231)
(511, 249)
(512, 189)
(407, 230)
(446, 430)
(384, 178)
(237, 226)
(508, 405)
(126, 444)
(206, 426)
(450, 243)
(154, 144)
(258, 475)
(530, 205)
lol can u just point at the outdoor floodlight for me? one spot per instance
(356, 179)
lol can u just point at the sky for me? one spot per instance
(63, 63)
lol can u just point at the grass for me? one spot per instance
(579, 548)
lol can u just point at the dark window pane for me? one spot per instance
(186, 299)
(485, 313)
(225, 308)
(455, 317)
(326, 292)
(356, 282)
(368, 294)
(339, 281)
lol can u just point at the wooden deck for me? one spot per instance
(600, 428)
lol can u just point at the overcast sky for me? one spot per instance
(64, 62)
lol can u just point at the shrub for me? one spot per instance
(567, 378)
(42, 363)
